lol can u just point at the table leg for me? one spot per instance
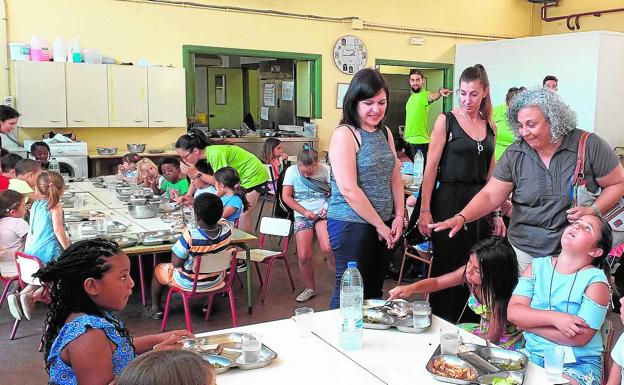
(141, 279)
(249, 291)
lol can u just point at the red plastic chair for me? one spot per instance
(27, 265)
(206, 264)
(277, 227)
(7, 281)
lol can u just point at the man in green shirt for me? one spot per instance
(504, 136)
(416, 110)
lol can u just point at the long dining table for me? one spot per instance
(107, 202)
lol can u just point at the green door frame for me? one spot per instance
(188, 60)
(447, 103)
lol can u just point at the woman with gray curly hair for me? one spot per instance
(538, 170)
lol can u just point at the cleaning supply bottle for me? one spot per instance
(39, 50)
(59, 52)
(76, 51)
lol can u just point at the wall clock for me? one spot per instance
(350, 54)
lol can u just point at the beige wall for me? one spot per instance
(607, 22)
(129, 31)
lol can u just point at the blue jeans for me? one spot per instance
(352, 241)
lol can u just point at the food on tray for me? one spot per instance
(370, 320)
(504, 381)
(507, 365)
(445, 369)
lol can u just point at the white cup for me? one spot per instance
(251, 344)
(101, 225)
(449, 341)
(79, 201)
(553, 363)
(75, 230)
(420, 314)
(304, 320)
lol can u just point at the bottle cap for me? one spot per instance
(351, 265)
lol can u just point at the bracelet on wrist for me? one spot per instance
(462, 217)
(596, 209)
(198, 175)
(497, 213)
(425, 211)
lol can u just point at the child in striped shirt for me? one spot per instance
(210, 236)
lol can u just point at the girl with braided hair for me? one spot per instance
(84, 342)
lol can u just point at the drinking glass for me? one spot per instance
(79, 201)
(449, 341)
(251, 344)
(101, 225)
(553, 363)
(420, 314)
(75, 230)
(303, 318)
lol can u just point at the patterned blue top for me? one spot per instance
(61, 373)
(375, 162)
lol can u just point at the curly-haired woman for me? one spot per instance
(538, 170)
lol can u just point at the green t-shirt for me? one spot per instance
(416, 111)
(504, 136)
(250, 170)
(182, 186)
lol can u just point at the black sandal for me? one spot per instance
(153, 314)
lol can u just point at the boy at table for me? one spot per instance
(210, 236)
(26, 173)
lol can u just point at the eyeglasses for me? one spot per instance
(184, 157)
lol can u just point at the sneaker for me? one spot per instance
(28, 305)
(14, 306)
(154, 314)
(306, 295)
(241, 266)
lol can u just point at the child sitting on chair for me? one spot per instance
(175, 184)
(210, 236)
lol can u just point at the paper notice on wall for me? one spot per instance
(264, 113)
(288, 90)
(269, 94)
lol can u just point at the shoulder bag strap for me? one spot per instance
(579, 173)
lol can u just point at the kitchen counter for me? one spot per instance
(118, 155)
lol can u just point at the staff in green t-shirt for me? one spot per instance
(253, 174)
(504, 136)
(416, 110)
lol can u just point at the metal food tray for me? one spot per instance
(83, 215)
(484, 373)
(231, 351)
(405, 325)
(123, 240)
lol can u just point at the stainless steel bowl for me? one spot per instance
(137, 148)
(106, 150)
(143, 210)
(123, 240)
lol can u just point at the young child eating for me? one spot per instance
(210, 236)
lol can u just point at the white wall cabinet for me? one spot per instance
(40, 94)
(166, 97)
(127, 96)
(87, 95)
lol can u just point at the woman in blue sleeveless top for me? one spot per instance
(365, 213)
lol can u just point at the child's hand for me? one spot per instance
(310, 215)
(185, 200)
(174, 194)
(568, 324)
(400, 292)
(322, 213)
(120, 169)
(172, 340)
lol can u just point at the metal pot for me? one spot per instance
(136, 148)
(143, 211)
(106, 150)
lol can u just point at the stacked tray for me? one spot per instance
(224, 352)
(381, 314)
(473, 364)
(154, 238)
(83, 215)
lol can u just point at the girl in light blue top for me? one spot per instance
(563, 300)
(232, 194)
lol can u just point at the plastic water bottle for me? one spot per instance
(351, 302)
(419, 165)
(54, 166)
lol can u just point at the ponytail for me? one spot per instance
(50, 184)
(307, 156)
(228, 176)
(477, 72)
(195, 138)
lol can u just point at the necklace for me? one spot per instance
(472, 131)
(552, 276)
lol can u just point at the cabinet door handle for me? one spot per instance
(55, 121)
(138, 120)
(159, 121)
(78, 121)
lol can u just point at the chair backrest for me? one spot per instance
(213, 262)
(27, 265)
(275, 226)
(272, 179)
(606, 332)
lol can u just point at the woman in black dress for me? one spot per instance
(460, 160)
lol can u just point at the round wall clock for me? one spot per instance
(350, 54)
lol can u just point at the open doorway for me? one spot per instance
(396, 73)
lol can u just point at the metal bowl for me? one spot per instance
(116, 227)
(106, 150)
(136, 148)
(487, 379)
(143, 211)
(221, 363)
(123, 241)
(152, 241)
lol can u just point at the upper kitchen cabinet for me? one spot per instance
(40, 93)
(87, 95)
(127, 96)
(167, 97)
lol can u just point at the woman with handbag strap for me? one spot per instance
(538, 169)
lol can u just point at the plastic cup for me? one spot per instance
(420, 314)
(303, 318)
(251, 344)
(79, 201)
(101, 225)
(553, 363)
(449, 341)
(75, 231)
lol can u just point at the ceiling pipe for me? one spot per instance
(574, 17)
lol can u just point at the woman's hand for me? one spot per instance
(397, 228)
(172, 340)
(575, 213)
(310, 215)
(424, 220)
(568, 324)
(400, 292)
(499, 227)
(455, 223)
(385, 233)
(189, 170)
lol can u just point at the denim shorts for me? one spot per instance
(585, 371)
(303, 223)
